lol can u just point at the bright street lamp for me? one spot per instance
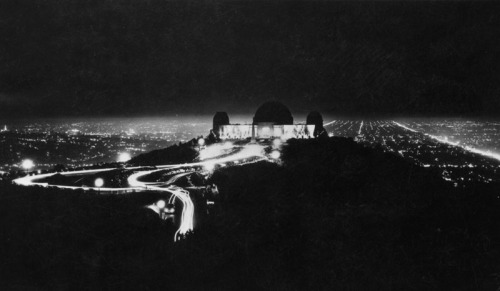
(161, 204)
(98, 183)
(27, 164)
(275, 154)
(201, 142)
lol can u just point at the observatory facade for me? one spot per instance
(272, 120)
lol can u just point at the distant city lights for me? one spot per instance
(445, 140)
(61, 142)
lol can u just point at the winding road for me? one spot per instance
(241, 154)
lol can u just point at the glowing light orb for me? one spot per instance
(160, 204)
(275, 155)
(201, 142)
(27, 164)
(99, 182)
(123, 157)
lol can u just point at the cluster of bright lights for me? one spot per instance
(246, 152)
(215, 150)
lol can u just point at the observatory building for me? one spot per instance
(272, 120)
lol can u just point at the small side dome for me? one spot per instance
(220, 118)
(314, 117)
(274, 112)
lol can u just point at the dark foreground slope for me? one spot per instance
(334, 215)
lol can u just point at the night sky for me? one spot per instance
(151, 57)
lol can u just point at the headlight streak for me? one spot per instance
(360, 127)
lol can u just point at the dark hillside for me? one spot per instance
(63, 239)
(340, 216)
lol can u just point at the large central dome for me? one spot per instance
(273, 111)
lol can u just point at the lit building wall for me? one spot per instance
(235, 131)
(266, 130)
(298, 131)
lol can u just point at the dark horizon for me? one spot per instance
(155, 58)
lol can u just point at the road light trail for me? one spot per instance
(331, 122)
(360, 127)
(405, 127)
(31, 181)
(187, 215)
